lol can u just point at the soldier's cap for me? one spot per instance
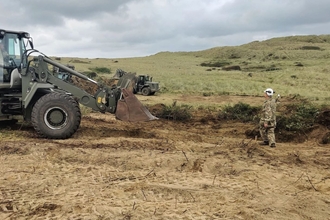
(269, 92)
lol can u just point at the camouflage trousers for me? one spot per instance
(267, 134)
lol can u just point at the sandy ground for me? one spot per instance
(202, 169)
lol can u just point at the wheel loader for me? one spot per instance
(51, 101)
(143, 83)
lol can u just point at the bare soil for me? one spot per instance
(162, 169)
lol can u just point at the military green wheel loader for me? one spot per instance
(143, 83)
(50, 101)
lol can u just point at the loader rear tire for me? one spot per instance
(56, 116)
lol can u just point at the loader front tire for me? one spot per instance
(146, 91)
(56, 116)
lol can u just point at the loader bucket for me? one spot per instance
(129, 108)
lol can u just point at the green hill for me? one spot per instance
(294, 65)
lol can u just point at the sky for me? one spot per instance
(139, 28)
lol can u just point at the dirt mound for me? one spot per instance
(91, 87)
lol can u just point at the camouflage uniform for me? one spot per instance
(269, 117)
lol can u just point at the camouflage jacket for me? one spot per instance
(269, 110)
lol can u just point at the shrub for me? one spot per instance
(241, 111)
(303, 116)
(79, 61)
(310, 48)
(207, 93)
(234, 56)
(101, 70)
(215, 64)
(229, 68)
(175, 112)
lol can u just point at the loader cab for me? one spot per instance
(12, 57)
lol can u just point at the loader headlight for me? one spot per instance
(2, 33)
(26, 35)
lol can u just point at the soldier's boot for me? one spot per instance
(264, 143)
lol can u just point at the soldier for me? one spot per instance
(267, 122)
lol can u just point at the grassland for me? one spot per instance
(296, 65)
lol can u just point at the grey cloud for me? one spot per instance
(143, 27)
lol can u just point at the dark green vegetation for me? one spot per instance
(242, 112)
(101, 70)
(294, 121)
(174, 112)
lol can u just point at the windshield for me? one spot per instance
(11, 51)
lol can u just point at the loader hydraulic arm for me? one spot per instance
(39, 76)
